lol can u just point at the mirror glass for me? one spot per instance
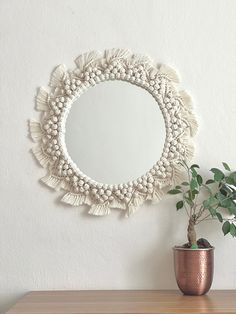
(115, 132)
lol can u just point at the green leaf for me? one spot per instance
(232, 230)
(232, 208)
(211, 201)
(199, 179)
(174, 192)
(224, 201)
(194, 172)
(223, 192)
(226, 166)
(194, 166)
(219, 216)
(178, 187)
(189, 201)
(210, 181)
(179, 205)
(185, 183)
(212, 211)
(218, 174)
(229, 180)
(193, 184)
(233, 176)
(226, 227)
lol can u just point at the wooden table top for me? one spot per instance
(124, 302)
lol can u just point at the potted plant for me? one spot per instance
(203, 200)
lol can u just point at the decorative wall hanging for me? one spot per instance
(66, 86)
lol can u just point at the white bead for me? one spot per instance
(54, 132)
(81, 182)
(108, 192)
(86, 186)
(101, 191)
(70, 172)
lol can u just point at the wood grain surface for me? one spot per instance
(124, 302)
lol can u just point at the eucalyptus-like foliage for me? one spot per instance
(213, 198)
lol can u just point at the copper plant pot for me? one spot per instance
(194, 269)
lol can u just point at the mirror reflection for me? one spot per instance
(115, 132)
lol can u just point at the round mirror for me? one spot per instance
(115, 132)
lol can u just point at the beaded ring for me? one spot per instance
(66, 86)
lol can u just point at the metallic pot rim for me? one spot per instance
(178, 248)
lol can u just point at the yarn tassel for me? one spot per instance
(116, 54)
(42, 100)
(189, 152)
(191, 121)
(57, 76)
(134, 205)
(169, 72)
(41, 157)
(157, 196)
(52, 181)
(87, 59)
(178, 175)
(73, 199)
(186, 99)
(118, 205)
(99, 210)
(35, 130)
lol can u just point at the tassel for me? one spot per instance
(35, 131)
(131, 210)
(178, 175)
(41, 157)
(116, 204)
(65, 185)
(186, 99)
(73, 199)
(191, 121)
(87, 59)
(189, 152)
(99, 210)
(58, 75)
(42, 100)
(169, 72)
(134, 205)
(116, 54)
(157, 195)
(52, 181)
(143, 59)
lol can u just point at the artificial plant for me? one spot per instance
(214, 198)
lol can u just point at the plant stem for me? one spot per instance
(192, 237)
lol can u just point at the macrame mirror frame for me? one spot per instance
(66, 86)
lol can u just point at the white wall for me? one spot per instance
(45, 245)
